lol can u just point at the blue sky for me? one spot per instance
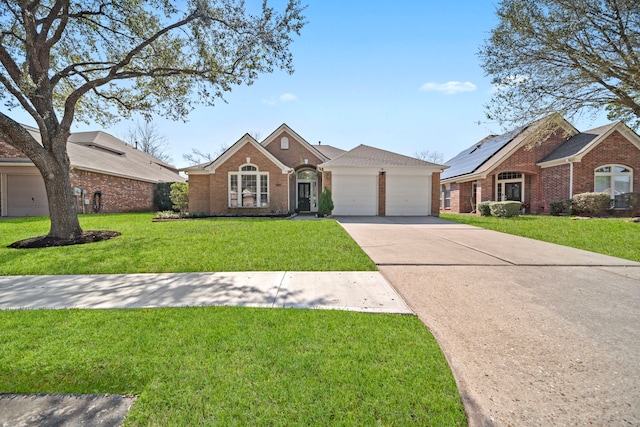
(402, 76)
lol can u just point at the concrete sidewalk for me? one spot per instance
(536, 334)
(353, 291)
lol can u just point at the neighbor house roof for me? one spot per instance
(472, 158)
(364, 155)
(484, 156)
(577, 146)
(100, 152)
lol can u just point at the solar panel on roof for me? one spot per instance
(475, 156)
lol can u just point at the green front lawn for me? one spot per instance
(222, 365)
(610, 236)
(185, 246)
(236, 366)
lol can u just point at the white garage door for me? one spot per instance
(355, 194)
(26, 196)
(408, 195)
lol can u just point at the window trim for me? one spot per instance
(259, 195)
(612, 175)
(509, 178)
(446, 196)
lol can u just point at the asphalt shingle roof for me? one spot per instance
(576, 143)
(329, 151)
(103, 153)
(364, 155)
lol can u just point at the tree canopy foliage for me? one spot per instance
(565, 56)
(102, 60)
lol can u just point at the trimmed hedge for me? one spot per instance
(591, 204)
(505, 209)
(484, 209)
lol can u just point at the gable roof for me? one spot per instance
(329, 151)
(211, 167)
(577, 146)
(285, 128)
(482, 157)
(364, 155)
(100, 152)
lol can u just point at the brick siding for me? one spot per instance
(212, 197)
(9, 152)
(615, 149)
(435, 194)
(382, 194)
(118, 194)
(295, 155)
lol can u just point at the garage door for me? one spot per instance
(408, 195)
(26, 196)
(355, 194)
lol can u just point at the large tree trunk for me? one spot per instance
(64, 218)
(62, 211)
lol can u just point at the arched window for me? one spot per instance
(615, 180)
(248, 188)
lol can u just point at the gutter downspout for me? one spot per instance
(570, 179)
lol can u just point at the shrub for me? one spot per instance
(505, 209)
(556, 208)
(162, 196)
(560, 207)
(180, 196)
(591, 204)
(631, 202)
(483, 208)
(325, 203)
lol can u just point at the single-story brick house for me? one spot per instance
(285, 174)
(105, 172)
(518, 166)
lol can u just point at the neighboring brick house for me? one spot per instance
(107, 175)
(286, 174)
(518, 166)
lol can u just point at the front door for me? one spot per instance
(304, 196)
(512, 191)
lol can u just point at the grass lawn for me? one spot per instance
(185, 246)
(236, 366)
(222, 365)
(610, 236)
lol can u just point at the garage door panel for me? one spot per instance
(408, 195)
(355, 194)
(26, 196)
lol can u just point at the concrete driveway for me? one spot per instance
(536, 334)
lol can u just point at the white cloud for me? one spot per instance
(449, 88)
(287, 97)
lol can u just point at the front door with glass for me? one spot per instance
(304, 196)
